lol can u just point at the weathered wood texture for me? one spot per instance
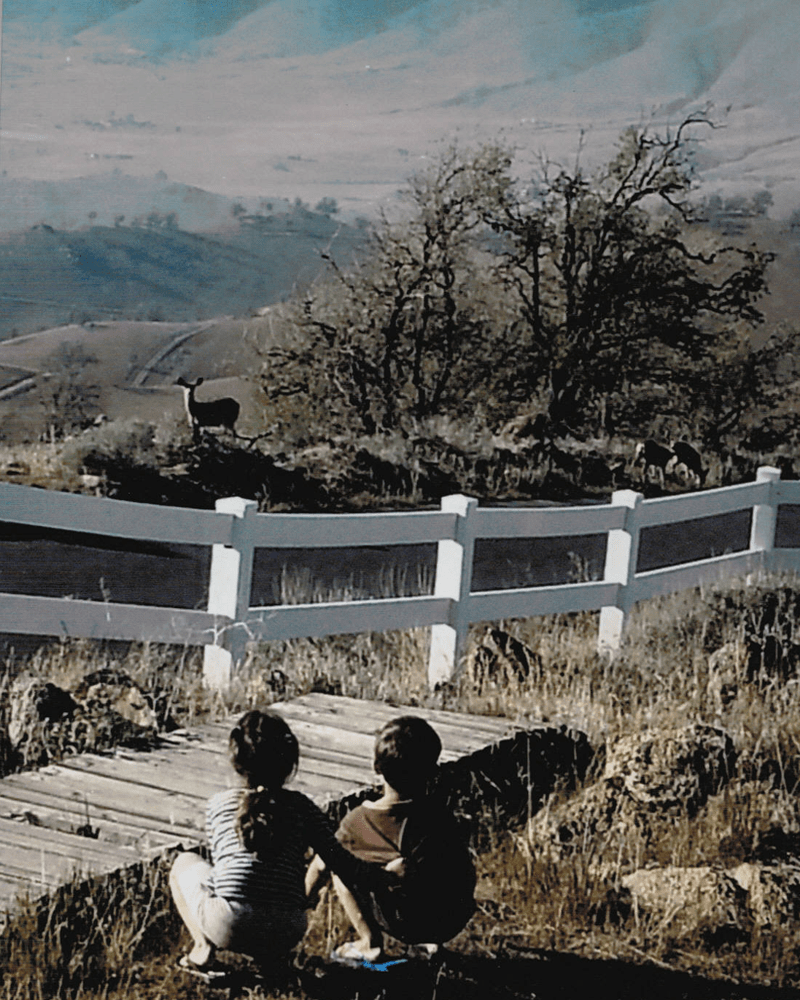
(96, 813)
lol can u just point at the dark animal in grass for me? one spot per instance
(689, 457)
(652, 455)
(598, 471)
(566, 462)
(213, 413)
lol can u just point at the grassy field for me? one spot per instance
(541, 924)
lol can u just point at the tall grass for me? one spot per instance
(92, 943)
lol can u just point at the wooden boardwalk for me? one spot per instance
(96, 813)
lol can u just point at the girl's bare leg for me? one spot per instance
(203, 949)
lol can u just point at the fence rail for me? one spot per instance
(234, 530)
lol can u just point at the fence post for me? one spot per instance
(454, 559)
(229, 586)
(622, 554)
(765, 516)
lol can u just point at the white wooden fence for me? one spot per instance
(235, 530)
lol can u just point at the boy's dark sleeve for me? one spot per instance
(350, 869)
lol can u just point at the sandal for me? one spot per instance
(350, 954)
(208, 973)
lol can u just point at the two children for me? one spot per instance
(399, 865)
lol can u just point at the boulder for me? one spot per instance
(648, 779)
(33, 703)
(110, 690)
(499, 658)
(672, 770)
(596, 816)
(687, 905)
(773, 891)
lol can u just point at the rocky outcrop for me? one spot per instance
(699, 904)
(498, 658)
(113, 691)
(45, 722)
(773, 891)
(648, 779)
(673, 770)
(33, 705)
(713, 905)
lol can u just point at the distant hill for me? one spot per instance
(101, 199)
(322, 98)
(156, 271)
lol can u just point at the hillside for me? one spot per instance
(155, 271)
(322, 98)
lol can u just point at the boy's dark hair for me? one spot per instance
(406, 752)
(265, 752)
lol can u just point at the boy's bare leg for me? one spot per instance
(316, 873)
(369, 937)
(203, 949)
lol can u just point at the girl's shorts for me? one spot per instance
(233, 925)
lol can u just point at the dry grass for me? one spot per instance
(121, 937)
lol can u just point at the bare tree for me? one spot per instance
(70, 395)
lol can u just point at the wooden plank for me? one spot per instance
(314, 734)
(59, 816)
(325, 764)
(48, 868)
(24, 793)
(144, 775)
(456, 739)
(326, 705)
(321, 789)
(15, 834)
(322, 760)
(21, 887)
(183, 810)
(31, 879)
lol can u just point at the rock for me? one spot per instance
(773, 891)
(675, 770)
(595, 815)
(112, 690)
(690, 904)
(34, 703)
(499, 658)
(648, 779)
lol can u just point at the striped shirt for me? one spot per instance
(275, 881)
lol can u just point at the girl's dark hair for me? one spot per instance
(265, 752)
(406, 752)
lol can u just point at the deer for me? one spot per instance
(652, 455)
(689, 457)
(215, 413)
